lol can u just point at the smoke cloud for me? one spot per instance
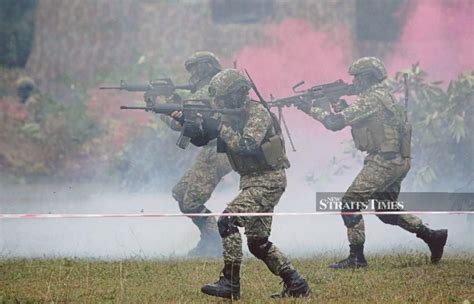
(440, 36)
(437, 34)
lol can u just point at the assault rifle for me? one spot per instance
(158, 87)
(320, 95)
(193, 111)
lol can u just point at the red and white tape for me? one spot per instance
(131, 215)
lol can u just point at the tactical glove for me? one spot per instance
(211, 127)
(191, 129)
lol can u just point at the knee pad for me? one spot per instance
(388, 218)
(259, 247)
(350, 220)
(226, 226)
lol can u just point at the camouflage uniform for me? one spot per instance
(196, 186)
(255, 149)
(380, 178)
(260, 192)
(29, 96)
(379, 127)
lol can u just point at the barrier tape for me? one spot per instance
(261, 214)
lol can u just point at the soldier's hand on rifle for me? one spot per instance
(178, 115)
(339, 105)
(211, 126)
(191, 129)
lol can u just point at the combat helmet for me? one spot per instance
(228, 82)
(25, 86)
(25, 83)
(229, 86)
(371, 65)
(203, 56)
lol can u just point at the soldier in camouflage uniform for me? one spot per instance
(28, 95)
(255, 149)
(379, 127)
(196, 186)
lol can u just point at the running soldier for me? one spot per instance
(379, 127)
(255, 148)
(196, 186)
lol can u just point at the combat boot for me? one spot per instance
(435, 239)
(356, 259)
(228, 285)
(294, 286)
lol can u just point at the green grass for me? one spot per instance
(388, 279)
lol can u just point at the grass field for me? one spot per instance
(388, 279)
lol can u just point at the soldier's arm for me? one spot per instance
(359, 110)
(252, 135)
(170, 121)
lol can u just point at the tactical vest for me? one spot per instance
(270, 155)
(386, 131)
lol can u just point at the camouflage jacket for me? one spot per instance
(379, 124)
(253, 128)
(365, 106)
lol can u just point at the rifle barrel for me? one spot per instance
(110, 88)
(168, 109)
(135, 108)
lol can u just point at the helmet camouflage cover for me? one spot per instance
(368, 65)
(227, 82)
(203, 57)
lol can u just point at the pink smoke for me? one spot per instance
(437, 34)
(296, 52)
(440, 36)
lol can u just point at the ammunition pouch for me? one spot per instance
(362, 138)
(273, 151)
(270, 156)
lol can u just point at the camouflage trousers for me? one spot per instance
(196, 186)
(257, 229)
(378, 180)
